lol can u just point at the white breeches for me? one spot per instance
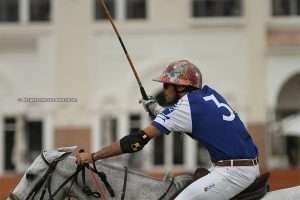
(222, 183)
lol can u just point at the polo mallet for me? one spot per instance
(142, 90)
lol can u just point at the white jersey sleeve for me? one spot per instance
(175, 118)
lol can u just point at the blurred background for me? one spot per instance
(249, 50)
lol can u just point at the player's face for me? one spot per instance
(169, 92)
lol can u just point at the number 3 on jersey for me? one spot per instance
(230, 117)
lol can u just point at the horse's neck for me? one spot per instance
(138, 186)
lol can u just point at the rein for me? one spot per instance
(86, 189)
(47, 177)
(124, 183)
(166, 192)
(103, 178)
(45, 182)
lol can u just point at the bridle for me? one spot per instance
(167, 191)
(47, 177)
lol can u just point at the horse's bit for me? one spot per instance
(46, 180)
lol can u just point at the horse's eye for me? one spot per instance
(30, 176)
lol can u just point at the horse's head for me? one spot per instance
(37, 175)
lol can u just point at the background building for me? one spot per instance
(247, 49)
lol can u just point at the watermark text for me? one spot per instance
(42, 100)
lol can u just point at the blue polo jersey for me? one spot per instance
(206, 116)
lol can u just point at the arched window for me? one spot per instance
(288, 113)
(288, 102)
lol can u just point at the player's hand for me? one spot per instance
(151, 105)
(83, 158)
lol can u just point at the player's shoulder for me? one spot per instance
(198, 92)
(203, 91)
(181, 105)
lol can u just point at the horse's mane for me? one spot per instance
(130, 171)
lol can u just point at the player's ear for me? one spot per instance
(181, 88)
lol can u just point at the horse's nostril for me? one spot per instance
(30, 176)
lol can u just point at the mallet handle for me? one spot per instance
(107, 12)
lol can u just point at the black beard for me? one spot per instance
(175, 100)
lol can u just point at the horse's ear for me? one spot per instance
(67, 149)
(167, 176)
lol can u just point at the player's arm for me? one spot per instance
(136, 141)
(128, 144)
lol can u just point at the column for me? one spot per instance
(257, 13)
(48, 132)
(120, 9)
(168, 151)
(190, 151)
(148, 150)
(96, 131)
(123, 128)
(24, 11)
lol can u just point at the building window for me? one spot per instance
(135, 160)
(34, 134)
(122, 9)
(287, 115)
(136, 9)
(109, 130)
(135, 122)
(40, 10)
(216, 8)
(286, 7)
(178, 141)
(22, 142)
(9, 141)
(99, 11)
(159, 150)
(9, 10)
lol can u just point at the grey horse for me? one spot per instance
(55, 175)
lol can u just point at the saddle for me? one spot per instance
(255, 191)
